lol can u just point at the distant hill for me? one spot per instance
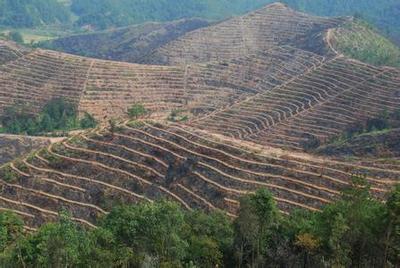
(248, 102)
(105, 14)
(383, 14)
(129, 44)
(32, 13)
(360, 41)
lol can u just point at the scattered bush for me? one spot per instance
(177, 116)
(137, 110)
(8, 175)
(16, 37)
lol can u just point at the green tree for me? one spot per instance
(88, 121)
(16, 37)
(392, 237)
(60, 244)
(137, 110)
(352, 228)
(210, 238)
(152, 231)
(258, 219)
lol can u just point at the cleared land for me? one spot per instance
(258, 96)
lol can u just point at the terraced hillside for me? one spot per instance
(10, 51)
(107, 89)
(274, 25)
(144, 161)
(129, 44)
(378, 144)
(12, 146)
(321, 104)
(257, 102)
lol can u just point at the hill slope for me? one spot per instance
(360, 41)
(12, 147)
(254, 111)
(273, 25)
(31, 13)
(142, 161)
(129, 44)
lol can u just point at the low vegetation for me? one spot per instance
(383, 122)
(361, 41)
(137, 110)
(357, 231)
(178, 116)
(56, 115)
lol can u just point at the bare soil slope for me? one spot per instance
(259, 95)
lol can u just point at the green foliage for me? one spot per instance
(7, 174)
(382, 14)
(137, 110)
(210, 238)
(56, 115)
(11, 228)
(88, 121)
(360, 41)
(355, 231)
(178, 116)
(383, 122)
(125, 12)
(258, 220)
(150, 230)
(114, 13)
(136, 124)
(30, 13)
(16, 37)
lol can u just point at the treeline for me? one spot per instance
(111, 13)
(356, 231)
(382, 14)
(56, 115)
(31, 13)
(103, 14)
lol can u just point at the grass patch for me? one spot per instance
(361, 41)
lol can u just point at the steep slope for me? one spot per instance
(360, 41)
(10, 51)
(129, 44)
(382, 14)
(253, 109)
(107, 89)
(274, 25)
(12, 147)
(145, 161)
(320, 104)
(380, 144)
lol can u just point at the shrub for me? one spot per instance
(16, 37)
(8, 175)
(137, 110)
(88, 121)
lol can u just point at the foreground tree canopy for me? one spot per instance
(357, 231)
